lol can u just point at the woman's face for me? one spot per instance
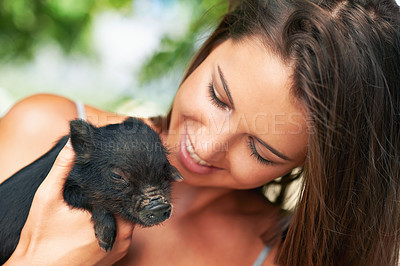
(234, 122)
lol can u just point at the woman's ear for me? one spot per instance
(82, 138)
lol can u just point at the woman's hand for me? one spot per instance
(54, 233)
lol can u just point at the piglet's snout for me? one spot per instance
(156, 211)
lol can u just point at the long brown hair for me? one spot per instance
(346, 73)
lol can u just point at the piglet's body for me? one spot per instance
(120, 169)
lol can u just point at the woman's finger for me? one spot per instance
(125, 228)
(53, 184)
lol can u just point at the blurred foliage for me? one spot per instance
(176, 53)
(26, 24)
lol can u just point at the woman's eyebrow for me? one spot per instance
(228, 93)
(274, 151)
(226, 88)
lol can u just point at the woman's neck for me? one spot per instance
(189, 199)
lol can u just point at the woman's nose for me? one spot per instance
(211, 140)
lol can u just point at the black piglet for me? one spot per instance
(120, 169)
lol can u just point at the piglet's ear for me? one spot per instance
(82, 138)
(130, 120)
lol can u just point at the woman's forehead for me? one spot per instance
(259, 82)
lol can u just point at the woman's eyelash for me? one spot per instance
(254, 153)
(214, 99)
(220, 104)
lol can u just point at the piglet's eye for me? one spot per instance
(117, 177)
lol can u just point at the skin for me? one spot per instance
(215, 220)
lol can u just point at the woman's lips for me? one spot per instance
(192, 153)
(190, 159)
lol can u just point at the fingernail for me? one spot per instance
(177, 177)
(68, 144)
(175, 174)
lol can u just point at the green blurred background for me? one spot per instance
(120, 55)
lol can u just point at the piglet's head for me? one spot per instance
(124, 169)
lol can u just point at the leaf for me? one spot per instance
(176, 53)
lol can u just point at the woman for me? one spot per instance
(279, 85)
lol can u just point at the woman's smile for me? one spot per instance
(190, 159)
(195, 157)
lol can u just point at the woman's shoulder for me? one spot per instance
(34, 124)
(29, 111)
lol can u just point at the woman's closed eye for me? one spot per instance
(215, 100)
(255, 154)
(222, 105)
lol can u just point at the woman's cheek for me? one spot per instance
(248, 173)
(243, 172)
(192, 100)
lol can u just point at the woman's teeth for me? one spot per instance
(192, 154)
